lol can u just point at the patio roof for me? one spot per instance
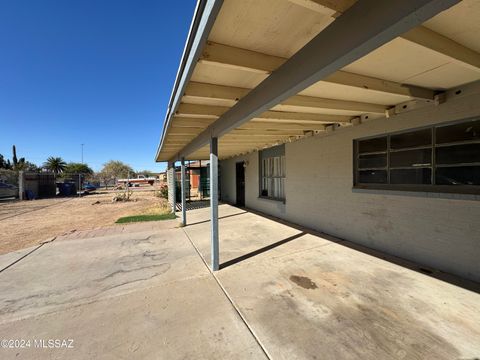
(258, 73)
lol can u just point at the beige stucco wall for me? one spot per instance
(437, 230)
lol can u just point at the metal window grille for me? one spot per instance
(439, 158)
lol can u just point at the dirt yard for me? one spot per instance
(26, 223)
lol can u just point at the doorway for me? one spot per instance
(240, 181)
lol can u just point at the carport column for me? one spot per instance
(171, 185)
(183, 189)
(214, 200)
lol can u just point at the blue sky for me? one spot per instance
(97, 72)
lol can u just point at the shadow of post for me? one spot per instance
(261, 250)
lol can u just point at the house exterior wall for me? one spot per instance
(437, 230)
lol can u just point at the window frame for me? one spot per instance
(270, 153)
(449, 189)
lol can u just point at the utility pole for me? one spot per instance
(80, 177)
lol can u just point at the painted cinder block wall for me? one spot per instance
(437, 230)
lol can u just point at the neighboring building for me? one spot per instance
(197, 184)
(361, 121)
(162, 176)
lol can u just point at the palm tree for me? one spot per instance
(55, 164)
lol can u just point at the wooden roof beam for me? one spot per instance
(420, 35)
(304, 118)
(212, 91)
(211, 111)
(332, 8)
(191, 122)
(282, 126)
(233, 57)
(199, 110)
(267, 132)
(445, 46)
(367, 25)
(184, 131)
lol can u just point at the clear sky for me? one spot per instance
(97, 72)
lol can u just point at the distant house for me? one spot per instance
(162, 176)
(357, 119)
(197, 182)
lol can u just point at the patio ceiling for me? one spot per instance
(249, 40)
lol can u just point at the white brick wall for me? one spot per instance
(438, 230)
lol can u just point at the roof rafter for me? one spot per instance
(188, 111)
(367, 25)
(212, 91)
(233, 57)
(444, 45)
(333, 8)
(420, 35)
(282, 126)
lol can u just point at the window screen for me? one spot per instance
(438, 158)
(272, 173)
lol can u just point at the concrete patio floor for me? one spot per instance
(316, 297)
(134, 295)
(146, 293)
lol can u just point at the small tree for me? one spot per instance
(26, 166)
(114, 170)
(77, 168)
(55, 164)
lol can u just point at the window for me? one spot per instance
(442, 158)
(272, 173)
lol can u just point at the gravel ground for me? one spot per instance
(26, 223)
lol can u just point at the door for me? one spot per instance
(240, 181)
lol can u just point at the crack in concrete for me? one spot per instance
(24, 256)
(230, 299)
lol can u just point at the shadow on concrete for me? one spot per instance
(219, 218)
(261, 250)
(426, 270)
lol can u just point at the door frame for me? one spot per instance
(238, 187)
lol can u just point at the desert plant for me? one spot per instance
(18, 164)
(78, 168)
(55, 164)
(163, 191)
(26, 166)
(4, 164)
(14, 158)
(113, 170)
(123, 195)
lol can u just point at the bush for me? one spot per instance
(163, 192)
(9, 176)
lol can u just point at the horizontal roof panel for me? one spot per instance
(250, 39)
(262, 25)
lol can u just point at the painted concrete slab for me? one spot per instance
(65, 273)
(171, 321)
(242, 232)
(9, 258)
(144, 295)
(147, 294)
(312, 298)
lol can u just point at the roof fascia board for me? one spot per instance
(204, 17)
